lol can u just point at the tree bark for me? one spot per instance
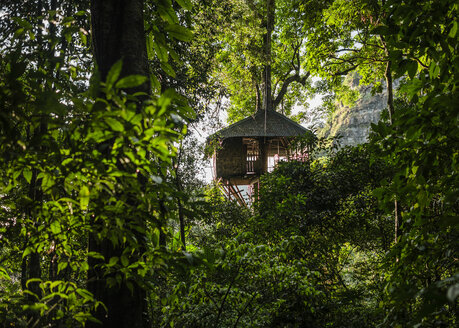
(257, 98)
(178, 184)
(283, 90)
(117, 33)
(390, 91)
(391, 110)
(267, 92)
(269, 103)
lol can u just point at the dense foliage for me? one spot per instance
(98, 175)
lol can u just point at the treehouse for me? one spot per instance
(253, 146)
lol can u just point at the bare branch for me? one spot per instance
(420, 62)
(347, 49)
(287, 82)
(350, 69)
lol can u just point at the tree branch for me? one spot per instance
(220, 309)
(247, 303)
(353, 67)
(287, 82)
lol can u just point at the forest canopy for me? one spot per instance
(105, 223)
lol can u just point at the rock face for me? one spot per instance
(353, 122)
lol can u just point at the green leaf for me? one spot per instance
(26, 252)
(124, 260)
(61, 266)
(131, 81)
(84, 197)
(30, 281)
(88, 296)
(4, 274)
(434, 70)
(94, 85)
(47, 181)
(23, 23)
(167, 13)
(155, 82)
(16, 174)
(149, 43)
(114, 124)
(168, 69)
(96, 255)
(185, 4)
(27, 174)
(112, 261)
(66, 161)
(55, 227)
(412, 68)
(54, 284)
(453, 31)
(83, 38)
(175, 57)
(136, 119)
(114, 73)
(179, 32)
(160, 51)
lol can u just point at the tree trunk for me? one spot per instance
(391, 110)
(257, 97)
(178, 184)
(267, 91)
(118, 33)
(390, 91)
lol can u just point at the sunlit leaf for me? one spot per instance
(114, 73)
(114, 124)
(55, 227)
(27, 174)
(453, 31)
(185, 4)
(167, 13)
(84, 197)
(131, 81)
(179, 32)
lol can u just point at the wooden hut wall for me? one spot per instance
(231, 158)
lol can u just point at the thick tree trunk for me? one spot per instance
(267, 90)
(118, 33)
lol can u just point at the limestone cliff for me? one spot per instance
(353, 122)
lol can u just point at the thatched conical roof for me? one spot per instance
(262, 124)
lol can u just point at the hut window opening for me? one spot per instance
(276, 153)
(253, 155)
